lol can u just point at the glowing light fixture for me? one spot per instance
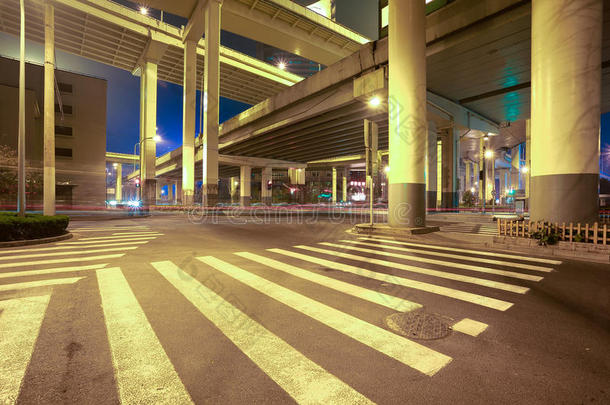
(281, 65)
(525, 169)
(157, 138)
(375, 102)
(489, 154)
(472, 189)
(115, 164)
(386, 169)
(143, 11)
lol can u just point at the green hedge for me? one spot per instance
(32, 226)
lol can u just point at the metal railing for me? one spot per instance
(587, 233)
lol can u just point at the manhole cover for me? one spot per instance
(418, 325)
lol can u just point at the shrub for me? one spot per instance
(32, 226)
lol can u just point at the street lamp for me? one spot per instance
(375, 102)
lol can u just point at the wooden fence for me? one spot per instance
(596, 233)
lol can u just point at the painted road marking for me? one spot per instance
(55, 261)
(122, 237)
(445, 263)
(395, 303)
(413, 269)
(142, 233)
(458, 257)
(75, 252)
(123, 240)
(41, 283)
(144, 373)
(470, 327)
(402, 281)
(62, 247)
(107, 229)
(475, 252)
(302, 379)
(410, 353)
(51, 271)
(19, 328)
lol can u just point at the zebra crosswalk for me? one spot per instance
(296, 278)
(474, 228)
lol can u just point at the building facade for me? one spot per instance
(80, 136)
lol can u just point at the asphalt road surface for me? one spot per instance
(236, 311)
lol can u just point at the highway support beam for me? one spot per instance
(245, 186)
(118, 192)
(266, 191)
(211, 109)
(566, 107)
(334, 190)
(344, 184)
(431, 175)
(408, 133)
(49, 110)
(189, 103)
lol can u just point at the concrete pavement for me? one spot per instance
(241, 311)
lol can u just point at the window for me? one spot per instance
(63, 152)
(67, 108)
(64, 88)
(61, 130)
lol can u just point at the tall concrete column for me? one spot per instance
(431, 177)
(148, 129)
(334, 190)
(49, 110)
(528, 160)
(118, 192)
(449, 168)
(407, 113)
(467, 178)
(566, 98)
(178, 190)
(189, 104)
(211, 109)
(266, 177)
(233, 187)
(159, 191)
(245, 190)
(344, 184)
(170, 192)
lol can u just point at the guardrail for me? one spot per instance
(596, 233)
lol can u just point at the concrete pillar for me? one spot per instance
(449, 170)
(566, 98)
(266, 177)
(49, 110)
(21, 125)
(170, 192)
(211, 109)
(148, 130)
(407, 113)
(178, 190)
(431, 178)
(189, 104)
(467, 176)
(159, 191)
(118, 192)
(245, 178)
(528, 160)
(481, 177)
(334, 190)
(344, 184)
(233, 187)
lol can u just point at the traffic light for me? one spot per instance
(269, 184)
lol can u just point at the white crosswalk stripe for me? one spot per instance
(41, 283)
(407, 352)
(19, 326)
(301, 378)
(402, 281)
(143, 371)
(480, 229)
(462, 250)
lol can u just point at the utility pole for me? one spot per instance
(21, 139)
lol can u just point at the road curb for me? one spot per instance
(15, 243)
